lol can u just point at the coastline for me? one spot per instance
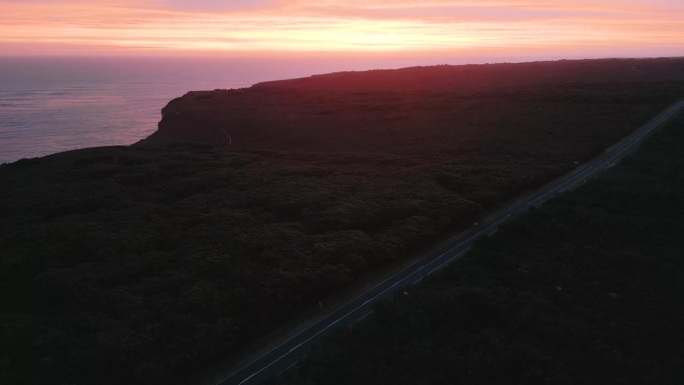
(217, 244)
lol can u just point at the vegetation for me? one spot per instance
(586, 289)
(141, 264)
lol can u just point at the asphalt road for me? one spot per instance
(286, 355)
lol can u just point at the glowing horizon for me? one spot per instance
(352, 27)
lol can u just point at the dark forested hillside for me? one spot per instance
(446, 111)
(141, 264)
(586, 289)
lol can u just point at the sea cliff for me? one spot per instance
(422, 108)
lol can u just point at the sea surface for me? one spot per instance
(51, 104)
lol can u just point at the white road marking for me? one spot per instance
(574, 183)
(362, 317)
(286, 369)
(541, 200)
(447, 261)
(250, 377)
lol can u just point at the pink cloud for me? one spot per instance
(341, 26)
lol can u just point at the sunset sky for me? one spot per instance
(572, 28)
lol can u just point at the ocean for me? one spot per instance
(51, 104)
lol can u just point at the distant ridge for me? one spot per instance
(383, 109)
(483, 76)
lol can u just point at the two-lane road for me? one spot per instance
(291, 351)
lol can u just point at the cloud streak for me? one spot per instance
(368, 26)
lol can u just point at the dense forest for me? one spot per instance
(145, 263)
(586, 289)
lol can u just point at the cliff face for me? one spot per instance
(420, 107)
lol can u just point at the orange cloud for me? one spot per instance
(364, 26)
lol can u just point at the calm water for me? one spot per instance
(49, 105)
